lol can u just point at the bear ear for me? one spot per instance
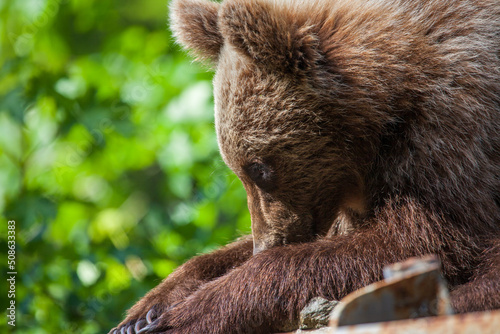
(194, 24)
(273, 34)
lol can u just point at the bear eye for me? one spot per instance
(262, 174)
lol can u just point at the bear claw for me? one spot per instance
(151, 315)
(142, 325)
(138, 326)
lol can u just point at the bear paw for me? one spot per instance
(141, 325)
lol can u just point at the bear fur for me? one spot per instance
(365, 132)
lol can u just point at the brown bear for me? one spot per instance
(364, 132)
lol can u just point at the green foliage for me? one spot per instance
(108, 160)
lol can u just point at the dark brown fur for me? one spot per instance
(364, 132)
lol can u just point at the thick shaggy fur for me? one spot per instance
(365, 132)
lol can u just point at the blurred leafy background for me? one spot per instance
(108, 160)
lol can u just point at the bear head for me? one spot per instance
(302, 106)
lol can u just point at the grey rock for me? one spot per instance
(317, 313)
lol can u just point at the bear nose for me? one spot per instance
(260, 245)
(257, 250)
